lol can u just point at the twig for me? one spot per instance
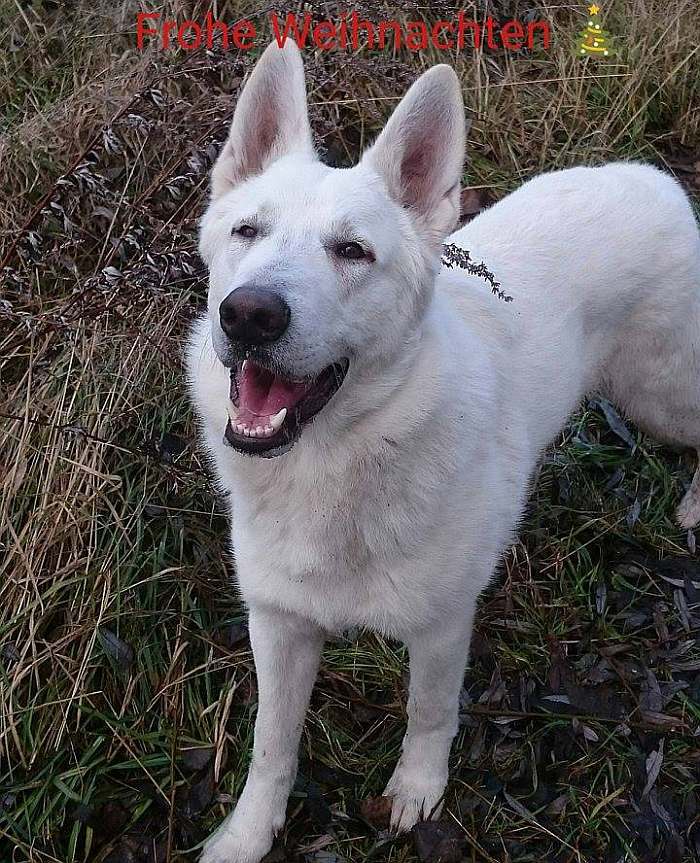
(454, 256)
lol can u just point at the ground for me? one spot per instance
(127, 691)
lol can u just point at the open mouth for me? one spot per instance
(267, 411)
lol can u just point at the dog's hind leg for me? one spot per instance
(688, 513)
(657, 383)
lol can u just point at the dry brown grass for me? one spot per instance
(120, 645)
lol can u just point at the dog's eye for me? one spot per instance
(351, 251)
(247, 231)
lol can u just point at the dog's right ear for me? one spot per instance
(270, 120)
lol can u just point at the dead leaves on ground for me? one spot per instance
(624, 690)
(168, 822)
(439, 842)
(530, 746)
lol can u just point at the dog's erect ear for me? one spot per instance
(270, 119)
(420, 152)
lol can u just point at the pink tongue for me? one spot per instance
(263, 394)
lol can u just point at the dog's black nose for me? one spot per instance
(253, 315)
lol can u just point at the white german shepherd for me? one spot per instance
(377, 419)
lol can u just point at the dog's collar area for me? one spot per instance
(266, 411)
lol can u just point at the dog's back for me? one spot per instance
(603, 265)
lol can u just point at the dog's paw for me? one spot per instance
(413, 798)
(227, 846)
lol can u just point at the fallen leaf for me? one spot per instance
(376, 810)
(316, 807)
(605, 801)
(660, 624)
(633, 513)
(438, 842)
(103, 212)
(139, 849)
(478, 743)
(518, 807)
(661, 720)
(496, 690)
(617, 476)
(651, 697)
(600, 672)
(669, 690)
(660, 810)
(197, 757)
(125, 852)
(601, 596)
(614, 649)
(560, 671)
(109, 820)
(470, 204)
(319, 844)
(615, 422)
(653, 766)
(681, 603)
(589, 734)
(170, 447)
(597, 700)
(116, 647)
(233, 634)
(9, 652)
(154, 510)
(557, 806)
(195, 798)
(675, 848)
(469, 804)
(691, 591)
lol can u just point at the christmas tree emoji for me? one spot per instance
(593, 40)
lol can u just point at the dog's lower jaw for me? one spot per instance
(247, 447)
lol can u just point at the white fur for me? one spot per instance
(393, 508)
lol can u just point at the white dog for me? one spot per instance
(377, 419)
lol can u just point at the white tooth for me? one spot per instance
(259, 431)
(246, 432)
(268, 431)
(232, 411)
(245, 363)
(277, 420)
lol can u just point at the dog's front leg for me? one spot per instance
(438, 657)
(286, 649)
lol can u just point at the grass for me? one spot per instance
(127, 691)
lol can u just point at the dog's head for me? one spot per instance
(320, 276)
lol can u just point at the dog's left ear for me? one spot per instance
(421, 150)
(271, 119)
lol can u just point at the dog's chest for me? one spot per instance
(334, 551)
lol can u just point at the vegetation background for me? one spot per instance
(127, 691)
